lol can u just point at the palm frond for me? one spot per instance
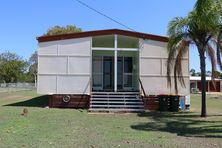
(172, 50)
(178, 33)
(200, 6)
(177, 26)
(219, 49)
(211, 55)
(175, 62)
(207, 14)
(178, 71)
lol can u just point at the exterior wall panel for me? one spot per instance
(155, 85)
(79, 65)
(48, 48)
(182, 90)
(151, 48)
(185, 67)
(72, 84)
(46, 84)
(153, 69)
(52, 65)
(74, 47)
(64, 67)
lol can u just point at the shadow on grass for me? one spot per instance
(182, 124)
(40, 101)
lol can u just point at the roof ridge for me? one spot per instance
(102, 32)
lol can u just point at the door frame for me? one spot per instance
(123, 74)
(111, 74)
(115, 49)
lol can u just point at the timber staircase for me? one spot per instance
(116, 102)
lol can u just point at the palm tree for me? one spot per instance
(202, 28)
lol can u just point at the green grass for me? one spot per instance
(77, 128)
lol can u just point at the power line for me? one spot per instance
(97, 11)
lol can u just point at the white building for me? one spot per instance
(195, 84)
(105, 61)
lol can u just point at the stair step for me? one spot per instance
(120, 99)
(118, 102)
(116, 110)
(113, 93)
(116, 105)
(116, 96)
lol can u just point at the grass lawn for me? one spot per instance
(44, 127)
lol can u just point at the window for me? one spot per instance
(127, 42)
(106, 41)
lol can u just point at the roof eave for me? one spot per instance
(102, 32)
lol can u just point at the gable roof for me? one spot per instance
(102, 32)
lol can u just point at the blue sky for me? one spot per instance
(22, 21)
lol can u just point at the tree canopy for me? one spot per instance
(202, 28)
(12, 67)
(56, 30)
(33, 63)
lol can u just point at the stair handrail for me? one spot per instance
(90, 85)
(141, 85)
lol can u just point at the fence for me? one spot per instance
(11, 87)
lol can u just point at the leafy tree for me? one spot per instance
(203, 28)
(31, 76)
(12, 67)
(33, 62)
(56, 30)
(218, 74)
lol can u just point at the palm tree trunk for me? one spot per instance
(203, 84)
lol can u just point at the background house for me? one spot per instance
(195, 84)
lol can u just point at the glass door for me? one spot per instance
(128, 73)
(120, 73)
(103, 73)
(97, 73)
(124, 73)
(108, 73)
